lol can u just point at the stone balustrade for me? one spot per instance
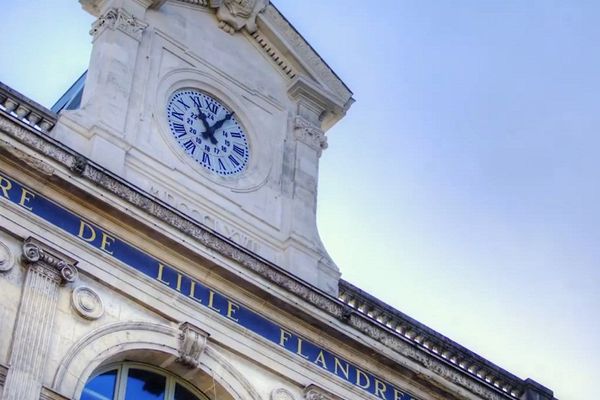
(26, 110)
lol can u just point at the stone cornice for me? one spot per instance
(367, 324)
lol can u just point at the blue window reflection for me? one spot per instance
(101, 387)
(133, 381)
(182, 393)
(146, 385)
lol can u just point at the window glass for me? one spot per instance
(101, 387)
(182, 393)
(146, 385)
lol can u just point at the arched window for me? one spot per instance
(134, 381)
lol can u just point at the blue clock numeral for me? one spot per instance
(196, 101)
(222, 166)
(190, 146)
(239, 150)
(212, 107)
(183, 104)
(206, 159)
(180, 129)
(236, 134)
(233, 161)
(177, 115)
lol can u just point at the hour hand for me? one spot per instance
(204, 123)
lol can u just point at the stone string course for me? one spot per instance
(358, 309)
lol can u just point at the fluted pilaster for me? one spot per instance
(47, 269)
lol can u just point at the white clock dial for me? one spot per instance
(208, 132)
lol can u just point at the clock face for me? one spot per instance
(208, 132)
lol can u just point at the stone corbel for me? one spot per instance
(192, 342)
(314, 103)
(314, 392)
(310, 134)
(234, 15)
(118, 19)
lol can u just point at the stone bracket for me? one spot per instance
(192, 343)
(118, 19)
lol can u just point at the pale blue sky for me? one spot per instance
(462, 187)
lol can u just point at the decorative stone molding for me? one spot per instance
(371, 317)
(47, 269)
(87, 303)
(39, 257)
(274, 18)
(279, 60)
(6, 258)
(234, 15)
(192, 343)
(118, 19)
(281, 394)
(314, 392)
(310, 134)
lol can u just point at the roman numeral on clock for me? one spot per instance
(212, 107)
(239, 150)
(233, 160)
(190, 146)
(179, 129)
(177, 115)
(183, 104)
(236, 134)
(222, 166)
(206, 159)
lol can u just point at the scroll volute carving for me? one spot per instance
(192, 343)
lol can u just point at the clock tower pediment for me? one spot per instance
(218, 108)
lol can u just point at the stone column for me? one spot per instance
(47, 270)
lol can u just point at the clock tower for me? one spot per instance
(219, 109)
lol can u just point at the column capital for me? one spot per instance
(49, 261)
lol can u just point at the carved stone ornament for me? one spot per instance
(6, 258)
(310, 134)
(313, 392)
(281, 394)
(87, 303)
(234, 15)
(118, 19)
(192, 342)
(38, 256)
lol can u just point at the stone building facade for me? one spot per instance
(158, 229)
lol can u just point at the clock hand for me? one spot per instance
(204, 122)
(220, 123)
(210, 132)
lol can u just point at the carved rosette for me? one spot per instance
(281, 394)
(234, 15)
(6, 258)
(118, 19)
(45, 263)
(313, 392)
(87, 303)
(192, 343)
(310, 134)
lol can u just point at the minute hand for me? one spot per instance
(220, 123)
